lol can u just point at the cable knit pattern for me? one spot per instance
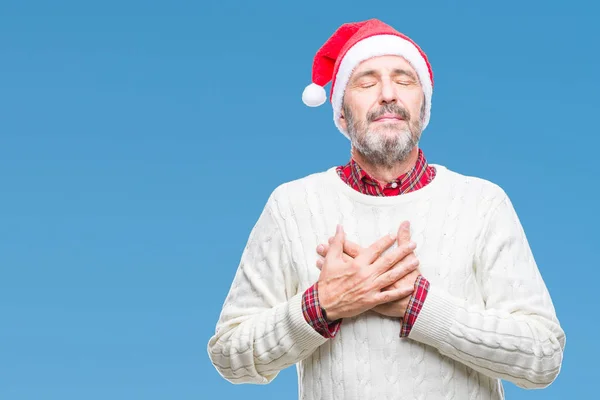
(488, 315)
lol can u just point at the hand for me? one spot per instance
(396, 308)
(348, 287)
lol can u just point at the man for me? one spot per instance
(387, 278)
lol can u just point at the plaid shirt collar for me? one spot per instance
(420, 175)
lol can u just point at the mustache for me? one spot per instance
(389, 108)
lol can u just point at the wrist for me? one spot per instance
(328, 314)
(324, 314)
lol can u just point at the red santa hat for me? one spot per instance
(352, 44)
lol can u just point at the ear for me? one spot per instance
(422, 111)
(343, 122)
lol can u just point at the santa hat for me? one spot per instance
(352, 44)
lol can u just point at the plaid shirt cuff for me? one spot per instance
(415, 304)
(313, 315)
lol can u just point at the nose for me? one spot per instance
(388, 92)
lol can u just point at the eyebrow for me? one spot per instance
(395, 72)
(405, 72)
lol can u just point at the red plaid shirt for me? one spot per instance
(352, 174)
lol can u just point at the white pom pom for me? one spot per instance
(314, 95)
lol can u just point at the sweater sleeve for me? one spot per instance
(261, 329)
(516, 335)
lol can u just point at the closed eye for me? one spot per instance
(367, 85)
(405, 80)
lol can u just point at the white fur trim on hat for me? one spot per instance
(379, 45)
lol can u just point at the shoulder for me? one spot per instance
(478, 189)
(288, 194)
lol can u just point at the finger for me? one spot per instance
(410, 277)
(375, 250)
(337, 245)
(392, 308)
(387, 307)
(320, 263)
(400, 269)
(320, 260)
(350, 248)
(322, 249)
(415, 274)
(392, 295)
(404, 233)
(392, 257)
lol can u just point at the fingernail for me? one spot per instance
(320, 248)
(392, 236)
(338, 229)
(405, 225)
(412, 245)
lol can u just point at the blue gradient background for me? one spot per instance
(139, 141)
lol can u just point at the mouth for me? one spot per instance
(388, 118)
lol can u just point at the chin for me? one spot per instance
(388, 124)
(390, 131)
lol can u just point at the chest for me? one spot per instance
(445, 234)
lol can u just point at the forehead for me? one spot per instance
(384, 64)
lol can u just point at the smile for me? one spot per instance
(389, 118)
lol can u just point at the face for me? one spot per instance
(383, 110)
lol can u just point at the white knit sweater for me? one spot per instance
(488, 315)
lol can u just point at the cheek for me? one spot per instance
(362, 104)
(413, 101)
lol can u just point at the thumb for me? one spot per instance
(404, 233)
(337, 244)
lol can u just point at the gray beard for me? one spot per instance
(382, 149)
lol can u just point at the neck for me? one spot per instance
(386, 174)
